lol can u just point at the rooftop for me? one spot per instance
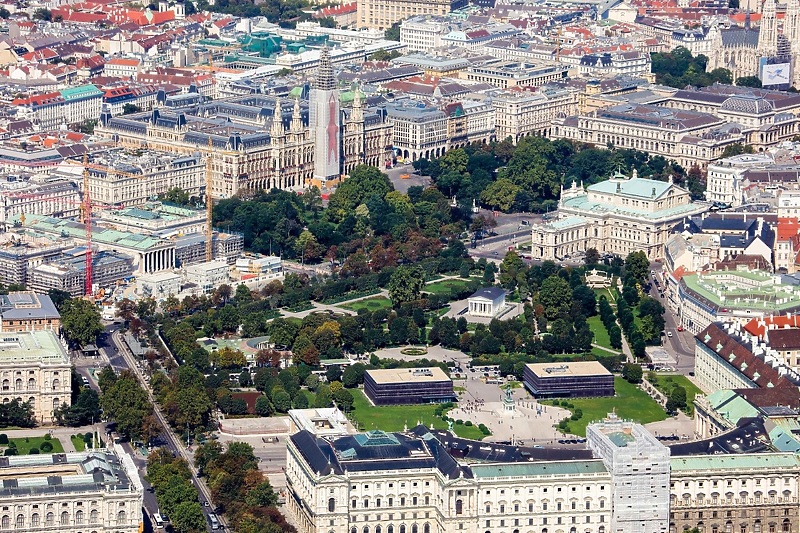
(32, 346)
(745, 290)
(69, 228)
(27, 306)
(403, 375)
(65, 472)
(575, 368)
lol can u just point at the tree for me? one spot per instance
(262, 496)
(125, 309)
(364, 182)
(632, 372)
(585, 300)
(637, 266)
(343, 399)
(393, 33)
(678, 396)
(737, 149)
(16, 413)
(42, 14)
(555, 296)
(592, 257)
(353, 375)
(81, 321)
(749, 81)
(84, 411)
(188, 517)
(405, 284)
(129, 109)
(263, 406)
(282, 331)
(126, 402)
(500, 194)
(282, 401)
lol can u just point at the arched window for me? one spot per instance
(49, 519)
(56, 384)
(32, 402)
(79, 517)
(377, 529)
(459, 507)
(331, 504)
(35, 520)
(31, 384)
(5, 384)
(365, 530)
(402, 529)
(426, 528)
(56, 403)
(121, 518)
(353, 530)
(64, 518)
(390, 529)
(18, 384)
(20, 521)
(93, 516)
(414, 529)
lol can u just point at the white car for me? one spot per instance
(669, 334)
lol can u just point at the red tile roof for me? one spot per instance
(787, 228)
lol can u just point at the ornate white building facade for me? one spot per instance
(616, 216)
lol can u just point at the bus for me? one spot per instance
(214, 522)
(158, 521)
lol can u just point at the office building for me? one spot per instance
(35, 368)
(208, 276)
(70, 106)
(408, 385)
(382, 14)
(577, 379)
(93, 492)
(521, 113)
(51, 198)
(160, 285)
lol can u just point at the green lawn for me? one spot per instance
(630, 403)
(370, 304)
(600, 334)
(24, 448)
(78, 442)
(666, 382)
(444, 287)
(607, 294)
(394, 417)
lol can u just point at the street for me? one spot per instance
(169, 439)
(681, 343)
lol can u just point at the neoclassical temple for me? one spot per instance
(256, 141)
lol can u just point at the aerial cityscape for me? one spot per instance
(400, 266)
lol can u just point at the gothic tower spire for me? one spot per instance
(297, 119)
(768, 34)
(324, 121)
(276, 129)
(791, 24)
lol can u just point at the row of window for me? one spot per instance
(50, 519)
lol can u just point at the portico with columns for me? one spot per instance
(157, 260)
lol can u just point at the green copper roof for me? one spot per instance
(549, 468)
(638, 187)
(774, 461)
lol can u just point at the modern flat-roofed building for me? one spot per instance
(35, 368)
(577, 379)
(408, 385)
(89, 492)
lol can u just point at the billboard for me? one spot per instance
(777, 74)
